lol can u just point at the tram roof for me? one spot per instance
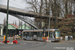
(39, 30)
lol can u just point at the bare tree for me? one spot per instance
(54, 8)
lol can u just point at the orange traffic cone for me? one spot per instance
(47, 38)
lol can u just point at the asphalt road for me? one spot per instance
(37, 45)
(34, 45)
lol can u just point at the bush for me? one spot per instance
(73, 35)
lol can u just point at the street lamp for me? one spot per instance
(49, 26)
(49, 22)
(7, 20)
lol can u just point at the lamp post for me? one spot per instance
(49, 22)
(49, 26)
(7, 20)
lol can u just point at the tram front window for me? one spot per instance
(57, 34)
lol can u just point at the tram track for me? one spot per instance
(33, 44)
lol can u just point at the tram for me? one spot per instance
(52, 34)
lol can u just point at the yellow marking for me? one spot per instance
(57, 37)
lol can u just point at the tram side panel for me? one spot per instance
(34, 35)
(26, 36)
(30, 35)
(40, 34)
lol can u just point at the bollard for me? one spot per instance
(4, 38)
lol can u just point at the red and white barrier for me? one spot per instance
(47, 38)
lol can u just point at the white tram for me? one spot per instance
(53, 34)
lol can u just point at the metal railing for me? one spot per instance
(28, 21)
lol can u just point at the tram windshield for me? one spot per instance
(57, 33)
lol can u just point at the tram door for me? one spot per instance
(34, 35)
(27, 35)
(30, 35)
(51, 36)
(40, 35)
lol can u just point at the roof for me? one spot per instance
(40, 30)
(15, 26)
(24, 26)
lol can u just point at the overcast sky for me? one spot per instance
(13, 3)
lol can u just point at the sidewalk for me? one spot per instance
(8, 37)
(66, 41)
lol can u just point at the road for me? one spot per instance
(36, 45)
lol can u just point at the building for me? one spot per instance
(12, 29)
(24, 26)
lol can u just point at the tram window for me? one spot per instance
(30, 34)
(50, 34)
(41, 34)
(57, 33)
(38, 34)
(35, 33)
(27, 33)
(54, 35)
(46, 34)
(24, 34)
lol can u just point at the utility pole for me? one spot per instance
(7, 21)
(55, 13)
(21, 25)
(49, 26)
(74, 7)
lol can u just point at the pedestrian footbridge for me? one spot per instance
(20, 12)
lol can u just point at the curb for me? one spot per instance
(7, 43)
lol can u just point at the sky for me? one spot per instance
(12, 3)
